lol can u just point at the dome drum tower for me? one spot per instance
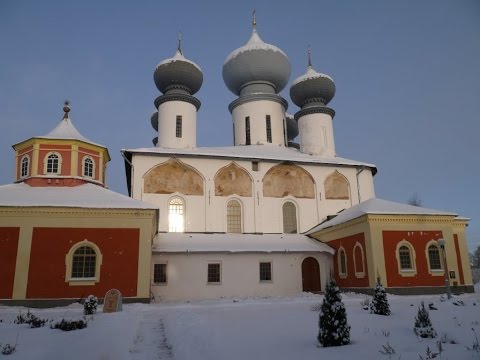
(178, 79)
(312, 92)
(256, 73)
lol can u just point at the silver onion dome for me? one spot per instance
(312, 87)
(178, 73)
(256, 63)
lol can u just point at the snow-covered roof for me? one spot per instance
(235, 243)
(66, 130)
(310, 74)
(82, 196)
(260, 152)
(178, 57)
(254, 43)
(379, 207)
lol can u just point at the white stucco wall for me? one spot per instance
(187, 275)
(207, 213)
(316, 135)
(167, 116)
(257, 111)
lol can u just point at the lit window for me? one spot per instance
(269, 129)
(52, 164)
(25, 166)
(178, 127)
(234, 217)
(405, 258)
(160, 273)
(176, 215)
(265, 271)
(342, 262)
(88, 167)
(247, 130)
(434, 257)
(84, 263)
(289, 218)
(213, 275)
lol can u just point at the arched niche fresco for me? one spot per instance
(288, 179)
(336, 187)
(173, 176)
(232, 179)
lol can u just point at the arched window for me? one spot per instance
(176, 215)
(234, 217)
(405, 257)
(358, 259)
(52, 164)
(289, 218)
(84, 263)
(88, 166)
(342, 262)
(25, 166)
(434, 257)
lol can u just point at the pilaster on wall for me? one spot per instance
(23, 263)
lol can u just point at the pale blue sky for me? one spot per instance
(407, 75)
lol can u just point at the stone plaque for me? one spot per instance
(112, 301)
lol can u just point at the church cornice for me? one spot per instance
(315, 110)
(72, 212)
(177, 97)
(257, 97)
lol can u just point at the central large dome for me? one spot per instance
(256, 62)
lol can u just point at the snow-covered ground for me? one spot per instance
(273, 328)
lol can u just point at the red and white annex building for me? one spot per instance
(264, 217)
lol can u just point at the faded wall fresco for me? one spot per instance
(232, 179)
(288, 179)
(336, 187)
(173, 176)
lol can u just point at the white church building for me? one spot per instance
(237, 220)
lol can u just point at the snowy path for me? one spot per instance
(150, 340)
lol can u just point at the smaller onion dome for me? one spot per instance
(154, 120)
(312, 87)
(178, 73)
(292, 127)
(256, 62)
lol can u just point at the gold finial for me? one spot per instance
(254, 20)
(309, 51)
(180, 42)
(66, 109)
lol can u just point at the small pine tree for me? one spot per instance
(90, 305)
(379, 304)
(334, 329)
(423, 325)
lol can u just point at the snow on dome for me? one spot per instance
(256, 61)
(66, 130)
(312, 86)
(178, 72)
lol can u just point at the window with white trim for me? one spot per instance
(25, 165)
(234, 217)
(84, 263)
(176, 215)
(52, 163)
(214, 273)
(405, 257)
(434, 257)
(289, 211)
(342, 262)
(358, 259)
(160, 273)
(265, 271)
(88, 166)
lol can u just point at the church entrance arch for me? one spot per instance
(311, 275)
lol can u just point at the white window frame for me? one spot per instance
(283, 216)
(219, 263)
(359, 274)
(413, 270)
(69, 265)
(228, 230)
(341, 273)
(434, 272)
(22, 161)
(84, 167)
(45, 163)
(172, 215)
